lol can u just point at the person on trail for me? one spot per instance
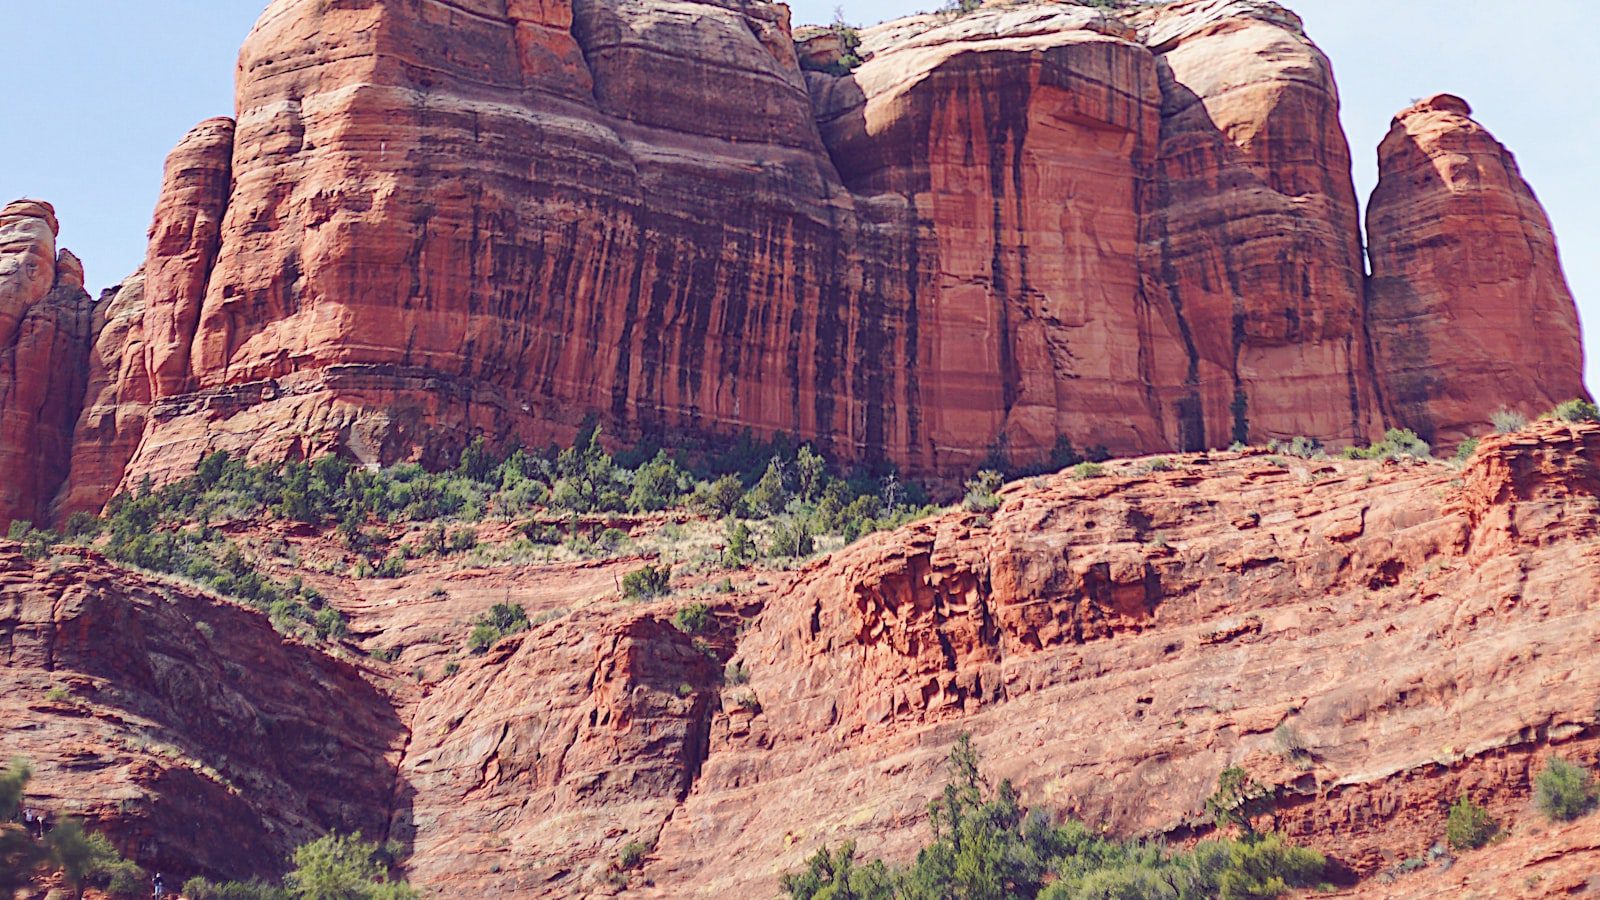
(160, 888)
(27, 821)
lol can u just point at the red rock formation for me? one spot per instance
(1003, 228)
(144, 328)
(185, 726)
(44, 335)
(1469, 308)
(1251, 248)
(1112, 644)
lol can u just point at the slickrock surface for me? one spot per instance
(1112, 643)
(44, 337)
(184, 725)
(1133, 229)
(1467, 293)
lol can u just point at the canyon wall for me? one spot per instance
(1136, 230)
(44, 335)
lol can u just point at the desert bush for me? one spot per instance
(647, 582)
(1563, 791)
(1088, 470)
(1397, 443)
(982, 492)
(501, 620)
(1469, 826)
(1576, 410)
(1506, 421)
(986, 844)
(791, 538)
(692, 619)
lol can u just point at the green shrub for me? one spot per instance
(632, 856)
(1396, 443)
(1465, 449)
(771, 494)
(1469, 826)
(692, 619)
(791, 539)
(461, 540)
(740, 549)
(200, 889)
(985, 844)
(1576, 410)
(983, 492)
(1239, 801)
(647, 582)
(342, 867)
(1563, 791)
(657, 485)
(1506, 421)
(722, 497)
(501, 620)
(13, 783)
(1088, 470)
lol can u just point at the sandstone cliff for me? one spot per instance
(1112, 643)
(44, 337)
(1467, 294)
(1133, 229)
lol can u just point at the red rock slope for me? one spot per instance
(1112, 643)
(436, 219)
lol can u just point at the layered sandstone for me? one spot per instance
(44, 336)
(1467, 296)
(1111, 643)
(1131, 229)
(185, 726)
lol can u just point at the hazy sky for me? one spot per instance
(100, 90)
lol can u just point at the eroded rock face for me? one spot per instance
(1467, 294)
(184, 726)
(441, 219)
(44, 336)
(1421, 630)
(1113, 644)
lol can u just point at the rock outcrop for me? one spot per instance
(1467, 297)
(1129, 229)
(185, 726)
(1417, 630)
(44, 335)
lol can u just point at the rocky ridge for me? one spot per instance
(433, 220)
(1112, 643)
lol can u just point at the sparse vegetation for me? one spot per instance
(983, 492)
(332, 867)
(985, 844)
(1469, 825)
(1465, 449)
(1576, 410)
(647, 582)
(1397, 443)
(692, 619)
(1088, 470)
(1563, 791)
(1506, 421)
(501, 620)
(1291, 743)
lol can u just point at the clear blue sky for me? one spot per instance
(101, 89)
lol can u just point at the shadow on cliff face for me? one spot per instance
(225, 745)
(1404, 356)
